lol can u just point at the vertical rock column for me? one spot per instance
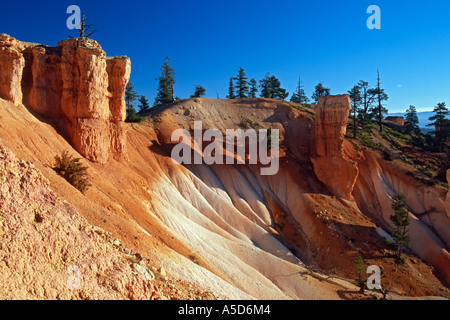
(41, 83)
(74, 84)
(94, 114)
(119, 70)
(330, 166)
(11, 69)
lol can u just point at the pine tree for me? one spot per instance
(231, 94)
(360, 266)
(378, 111)
(401, 221)
(440, 124)
(266, 86)
(355, 98)
(166, 82)
(299, 95)
(271, 88)
(367, 95)
(253, 88)
(130, 98)
(320, 91)
(278, 92)
(144, 105)
(241, 84)
(412, 120)
(199, 92)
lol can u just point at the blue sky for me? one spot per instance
(207, 41)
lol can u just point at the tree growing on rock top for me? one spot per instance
(299, 95)
(231, 93)
(356, 99)
(253, 88)
(271, 88)
(86, 30)
(166, 82)
(320, 91)
(241, 84)
(199, 92)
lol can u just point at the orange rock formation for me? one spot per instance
(76, 85)
(330, 165)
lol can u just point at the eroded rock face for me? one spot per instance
(447, 200)
(11, 67)
(400, 121)
(48, 249)
(76, 85)
(330, 128)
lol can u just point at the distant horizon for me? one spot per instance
(208, 41)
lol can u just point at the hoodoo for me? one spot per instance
(76, 85)
(331, 124)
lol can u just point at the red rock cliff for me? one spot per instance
(11, 67)
(330, 165)
(76, 85)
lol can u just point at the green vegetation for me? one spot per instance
(356, 99)
(166, 82)
(72, 170)
(241, 84)
(368, 142)
(378, 111)
(231, 93)
(441, 126)
(412, 120)
(360, 266)
(199, 92)
(253, 88)
(401, 221)
(299, 95)
(144, 105)
(271, 88)
(304, 108)
(130, 98)
(320, 91)
(357, 147)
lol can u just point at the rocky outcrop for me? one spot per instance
(399, 121)
(330, 128)
(11, 67)
(74, 84)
